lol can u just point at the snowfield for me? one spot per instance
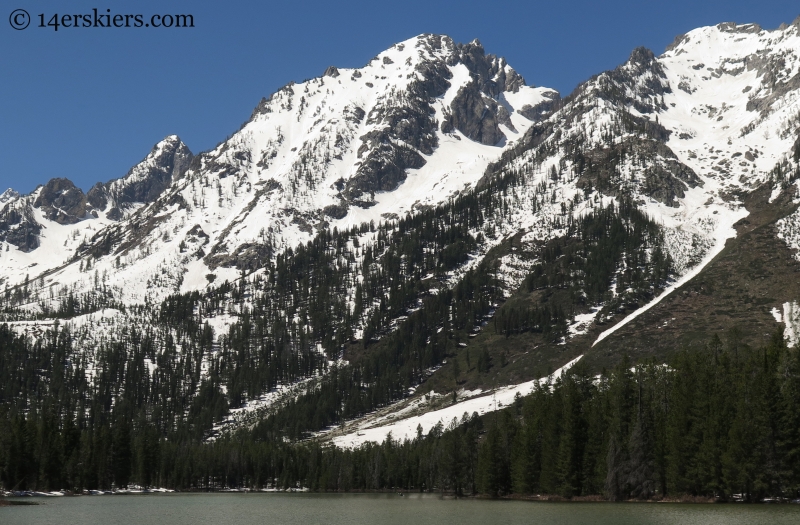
(371, 429)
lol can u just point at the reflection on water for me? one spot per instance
(376, 509)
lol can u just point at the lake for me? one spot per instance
(374, 509)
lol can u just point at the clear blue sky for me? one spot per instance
(88, 103)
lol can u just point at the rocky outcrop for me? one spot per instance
(409, 131)
(8, 196)
(492, 74)
(475, 115)
(18, 227)
(542, 110)
(664, 177)
(475, 111)
(62, 202)
(169, 161)
(97, 197)
(404, 132)
(640, 82)
(145, 182)
(775, 83)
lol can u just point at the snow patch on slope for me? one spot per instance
(789, 232)
(791, 317)
(8, 196)
(721, 235)
(481, 403)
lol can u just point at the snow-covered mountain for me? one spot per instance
(414, 127)
(41, 232)
(8, 196)
(686, 136)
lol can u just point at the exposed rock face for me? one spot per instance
(475, 111)
(97, 196)
(8, 195)
(504, 117)
(640, 82)
(19, 228)
(61, 201)
(247, 256)
(383, 170)
(543, 109)
(665, 179)
(639, 85)
(475, 115)
(145, 182)
(732, 27)
(409, 131)
(309, 154)
(388, 134)
(772, 71)
(405, 131)
(492, 73)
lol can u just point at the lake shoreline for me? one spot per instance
(6, 499)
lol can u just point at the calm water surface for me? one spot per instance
(375, 509)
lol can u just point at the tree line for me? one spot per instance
(721, 422)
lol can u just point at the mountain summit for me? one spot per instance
(414, 127)
(376, 249)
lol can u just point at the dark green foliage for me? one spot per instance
(721, 422)
(715, 423)
(612, 245)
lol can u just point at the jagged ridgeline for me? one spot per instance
(380, 242)
(298, 306)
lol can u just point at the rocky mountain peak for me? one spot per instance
(145, 182)
(733, 27)
(639, 83)
(350, 146)
(492, 74)
(426, 205)
(8, 196)
(641, 57)
(61, 201)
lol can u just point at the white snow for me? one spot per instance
(789, 232)
(481, 403)
(301, 147)
(254, 410)
(721, 234)
(581, 323)
(777, 315)
(709, 123)
(8, 196)
(269, 181)
(791, 316)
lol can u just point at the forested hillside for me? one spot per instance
(355, 257)
(721, 423)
